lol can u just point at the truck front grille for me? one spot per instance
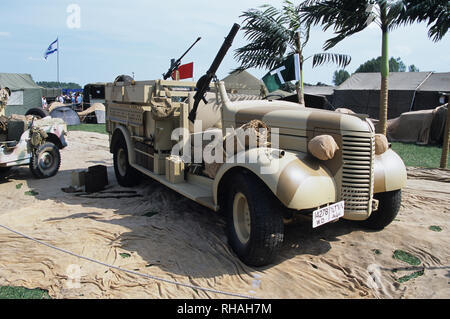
(357, 173)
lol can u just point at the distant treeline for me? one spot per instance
(62, 85)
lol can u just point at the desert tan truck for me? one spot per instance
(259, 162)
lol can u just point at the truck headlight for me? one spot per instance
(323, 147)
(381, 144)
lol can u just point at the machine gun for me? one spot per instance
(175, 64)
(204, 82)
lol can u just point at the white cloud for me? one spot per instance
(30, 58)
(5, 34)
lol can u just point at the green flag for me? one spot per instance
(288, 71)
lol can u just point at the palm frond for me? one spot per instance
(269, 38)
(345, 17)
(342, 60)
(435, 12)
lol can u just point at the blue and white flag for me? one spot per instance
(52, 48)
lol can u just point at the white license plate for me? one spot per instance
(328, 214)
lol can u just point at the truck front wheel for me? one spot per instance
(254, 222)
(388, 207)
(126, 175)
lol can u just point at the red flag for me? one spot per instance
(186, 71)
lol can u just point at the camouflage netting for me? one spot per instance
(38, 136)
(323, 147)
(162, 108)
(254, 130)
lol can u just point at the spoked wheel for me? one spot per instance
(45, 161)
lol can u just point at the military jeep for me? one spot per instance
(156, 128)
(27, 140)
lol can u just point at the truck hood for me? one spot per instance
(292, 118)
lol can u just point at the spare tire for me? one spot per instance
(39, 113)
(124, 78)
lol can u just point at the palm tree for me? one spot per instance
(273, 35)
(347, 17)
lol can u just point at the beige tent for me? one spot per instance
(243, 83)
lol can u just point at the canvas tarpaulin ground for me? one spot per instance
(163, 234)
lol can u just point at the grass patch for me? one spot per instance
(411, 276)
(435, 228)
(406, 257)
(31, 193)
(125, 255)
(418, 155)
(19, 186)
(96, 128)
(376, 251)
(23, 293)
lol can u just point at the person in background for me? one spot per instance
(61, 99)
(44, 103)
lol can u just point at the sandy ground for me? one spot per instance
(160, 233)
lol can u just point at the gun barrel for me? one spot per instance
(204, 82)
(175, 64)
(224, 49)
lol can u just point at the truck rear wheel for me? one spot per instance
(254, 222)
(45, 161)
(126, 175)
(388, 207)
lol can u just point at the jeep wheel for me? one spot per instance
(126, 175)
(45, 161)
(254, 222)
(388, 207)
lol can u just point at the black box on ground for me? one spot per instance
(96, 178)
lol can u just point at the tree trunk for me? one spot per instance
(445, 145)
(384, 90)
(299, 85)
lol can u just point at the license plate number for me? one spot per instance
(328, 214)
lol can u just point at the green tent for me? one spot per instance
(25, 93)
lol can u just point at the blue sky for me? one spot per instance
(121, 37)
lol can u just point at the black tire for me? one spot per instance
(45, 161)
(39, 113)
(126, 175)
(4, 171)
(388, 207)
(259, 242)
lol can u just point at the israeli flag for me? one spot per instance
(52, 48)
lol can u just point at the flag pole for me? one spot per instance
(57, 61)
